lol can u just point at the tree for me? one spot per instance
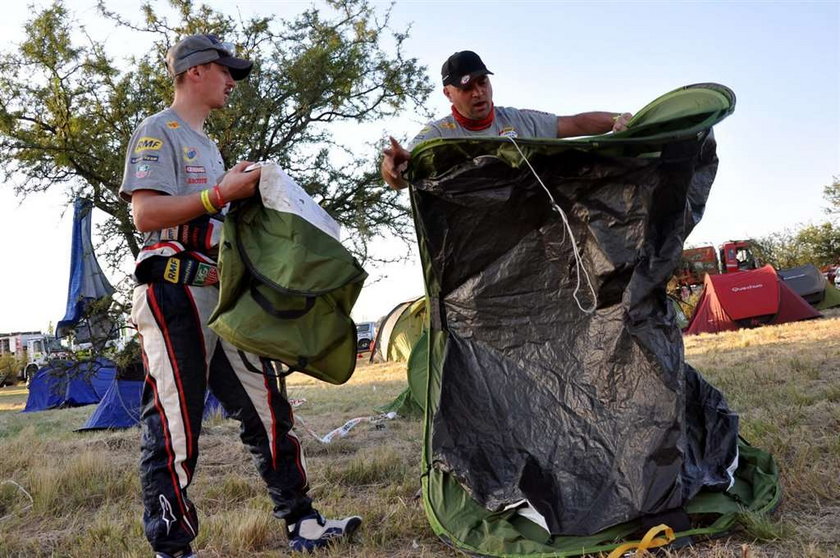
(831, 193)
(821, 243)
(815, 244)
(67, 110)
(780, 249)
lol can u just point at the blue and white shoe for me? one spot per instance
(313, 531)
(183, 553)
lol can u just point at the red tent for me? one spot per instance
(747, 299)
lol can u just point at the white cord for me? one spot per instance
(22, 489)
(567, 228)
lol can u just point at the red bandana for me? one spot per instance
(474, 125)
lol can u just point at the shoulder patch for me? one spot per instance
(190, 154)
(142, 171)
(508, 132)
(147, 143)
(173, 124)
(448, 125)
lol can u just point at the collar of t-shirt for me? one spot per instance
(474, 125)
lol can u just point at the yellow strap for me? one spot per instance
(648, 541)
(208, 205)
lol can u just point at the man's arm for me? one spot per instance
(154, 210)
(394, 162)
(591, 123)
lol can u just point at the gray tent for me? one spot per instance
(808, 282)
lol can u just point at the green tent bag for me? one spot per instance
(286, 291)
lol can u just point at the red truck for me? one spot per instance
(734, 255)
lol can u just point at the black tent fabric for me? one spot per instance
(592, 419)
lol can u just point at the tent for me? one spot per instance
(399, 331)
(69, 384)
(412, 401)
(119, 408)
(751, 298)
(808, 282)
(122, 403)
(679, 313)
(560, 415)
(87, 285)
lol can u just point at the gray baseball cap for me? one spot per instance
(201, 49)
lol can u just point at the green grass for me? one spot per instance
(784, 381)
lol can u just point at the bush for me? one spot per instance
(10, 365)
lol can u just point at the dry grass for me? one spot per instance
(783, 380)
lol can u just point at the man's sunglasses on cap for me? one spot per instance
(223, 46)
(201, 49)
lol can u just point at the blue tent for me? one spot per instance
(120, 408)
(69, 384)
(87, 283)
(121, 405)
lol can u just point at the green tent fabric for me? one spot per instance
(411, 402)
(682, 320)
(406, 332)
(286, 291)
(524, 384)
(399, 331)
(831, 298)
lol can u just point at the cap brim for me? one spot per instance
(472, 75)
(239, 67)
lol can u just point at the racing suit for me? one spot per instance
(176, 292)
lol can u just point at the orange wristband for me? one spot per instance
(218, 191)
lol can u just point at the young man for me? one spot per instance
(176, 182)
(466, 85)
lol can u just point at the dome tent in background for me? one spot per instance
(69, 384)
(122, 404)
(808, 282)
(750, 298)
(399, 331)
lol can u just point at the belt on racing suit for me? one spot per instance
(180, 269)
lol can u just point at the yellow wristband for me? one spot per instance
(208, 205)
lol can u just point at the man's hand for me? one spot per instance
(620, 121)
(394, 162)
(154, 210)
(237, 184)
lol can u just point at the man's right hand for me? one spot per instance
(394, 162)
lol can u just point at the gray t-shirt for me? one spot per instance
(167, 155)
(508, 122)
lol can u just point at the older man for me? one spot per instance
(467, 86)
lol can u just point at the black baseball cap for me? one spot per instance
(461, 67)
(201, 49)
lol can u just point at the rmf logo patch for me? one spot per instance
(148, 144)
(173, 270)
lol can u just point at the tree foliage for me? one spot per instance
(67, 109)
(831, 193)
(779, 249)
(815, 244)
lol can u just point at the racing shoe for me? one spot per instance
(183, 553)
(313, 531)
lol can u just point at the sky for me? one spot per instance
(777, 151)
